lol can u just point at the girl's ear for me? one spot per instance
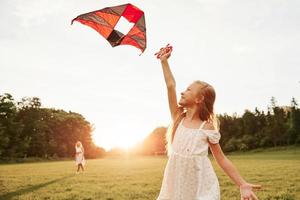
(199, 99)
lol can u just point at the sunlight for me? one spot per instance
(124, 142)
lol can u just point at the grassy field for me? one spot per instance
(140, 178)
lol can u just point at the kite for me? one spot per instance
(105, 20)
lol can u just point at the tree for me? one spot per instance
(155, 143)
(26, 129)
(293, 133)
(11, 143)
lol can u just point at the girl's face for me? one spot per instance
(190, 96)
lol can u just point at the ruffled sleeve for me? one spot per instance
(213, 136)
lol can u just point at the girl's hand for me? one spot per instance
(164, 53)
(247, 193)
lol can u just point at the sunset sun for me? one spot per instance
(124, 141)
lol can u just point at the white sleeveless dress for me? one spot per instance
(79, 156)
(189, 174)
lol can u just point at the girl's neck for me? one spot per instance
(192, 114)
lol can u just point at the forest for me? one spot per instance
(29, 130)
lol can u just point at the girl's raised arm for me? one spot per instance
(165, 53)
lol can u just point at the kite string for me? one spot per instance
(168, 48)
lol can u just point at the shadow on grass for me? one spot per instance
(10, 195)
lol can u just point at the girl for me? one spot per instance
(79, 157)
(189, 174)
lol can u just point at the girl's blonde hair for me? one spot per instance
(78, 144)
(206, 112)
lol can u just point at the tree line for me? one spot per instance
(278, 126)
(28, 130)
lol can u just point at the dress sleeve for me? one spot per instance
(213, 136)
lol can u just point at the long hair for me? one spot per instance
(206, 113)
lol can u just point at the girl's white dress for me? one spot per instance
(189, 174)
(79, 156)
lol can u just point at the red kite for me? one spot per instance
(105, 20)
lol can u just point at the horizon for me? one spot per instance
(134, 145)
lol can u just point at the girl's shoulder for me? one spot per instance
(208, 126)
(78, 148)
(212, 133)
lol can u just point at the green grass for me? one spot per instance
(278, 171)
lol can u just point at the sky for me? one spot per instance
(248, 50)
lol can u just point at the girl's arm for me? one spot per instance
(232, 172)
(170, 82)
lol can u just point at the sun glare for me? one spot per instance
(124, 142)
